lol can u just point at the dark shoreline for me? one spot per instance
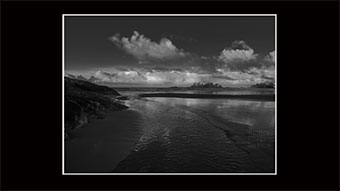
(100, 145)
(263, 97)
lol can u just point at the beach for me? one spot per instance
(202, 135)
(100, 145)
(171, 134)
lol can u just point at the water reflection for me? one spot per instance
(259, 114)
(202, 135)
(233, 91)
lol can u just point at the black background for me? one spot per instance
(307, 81)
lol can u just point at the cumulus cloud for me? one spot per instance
(235, 76)
(162, 63)
(174, 77)
(238, 53)
(144, 49)
(270, 57)
(118, 76)
(241, 65)
(163, 54)
(104, 76)
(238, 57)
(248, 76)
(269, 60)
(266, 73)
(223, 77)
(148, 77)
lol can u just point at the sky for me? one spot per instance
(165, 51)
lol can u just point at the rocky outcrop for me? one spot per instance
(74, 84)
(84, 100)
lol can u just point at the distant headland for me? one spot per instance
(205, 85)
(264, 85)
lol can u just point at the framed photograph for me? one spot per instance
(169, 94)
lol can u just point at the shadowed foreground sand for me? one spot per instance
(100, 145)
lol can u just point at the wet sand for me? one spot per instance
(263, 97)
(202, 135)
(176, 135)
(100, 145)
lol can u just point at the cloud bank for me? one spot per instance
(162, 63)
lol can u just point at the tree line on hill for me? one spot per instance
(205, 85)
(264, 85)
